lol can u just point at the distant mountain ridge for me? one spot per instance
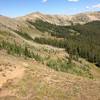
(81, 18)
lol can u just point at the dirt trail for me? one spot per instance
(33, 80)
(10, 70)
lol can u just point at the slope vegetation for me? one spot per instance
(82, 40)
(41, 61)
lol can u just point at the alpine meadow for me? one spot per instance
(50, 50)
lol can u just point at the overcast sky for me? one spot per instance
(15, 8)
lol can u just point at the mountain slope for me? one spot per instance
(63, 19)
(30, 70)
(33, 81)
(81, 40)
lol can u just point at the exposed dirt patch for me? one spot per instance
(10, 72)
(30, 80)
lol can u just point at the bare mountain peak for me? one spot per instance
(81, 18)
(36, 13)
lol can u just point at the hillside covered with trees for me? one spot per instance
(80, 40)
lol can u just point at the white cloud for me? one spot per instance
(96, 6)
(44, 1)
(73, 0)
(93, 6)
(87, 7)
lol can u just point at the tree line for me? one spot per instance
(86, 45)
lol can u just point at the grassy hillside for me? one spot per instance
(82, 40)
(27, 79)
(64, 64)
(31, 70)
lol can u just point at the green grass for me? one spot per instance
(3, 33)
(58, 65)
(24, 35)
(64, 66)
(19, 50)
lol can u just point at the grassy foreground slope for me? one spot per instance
(32, 71)
(34, 81)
